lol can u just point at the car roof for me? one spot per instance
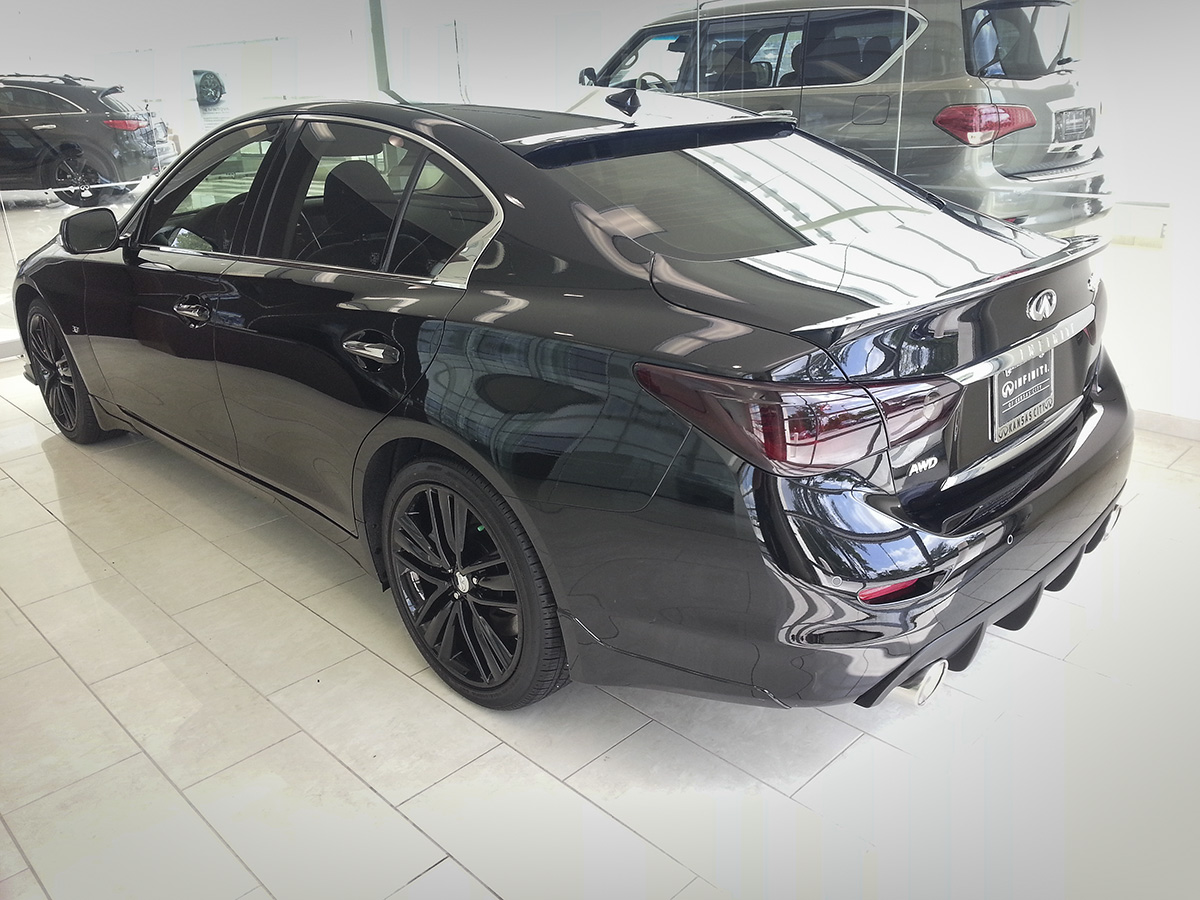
(720, 10)
(547, 138)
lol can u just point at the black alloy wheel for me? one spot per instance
(209, 89)
(78, 179)
(58, 379)
(470, 588)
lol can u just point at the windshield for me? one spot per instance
(742, 199)
(1020, 40)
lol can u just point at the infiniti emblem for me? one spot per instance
(1041, 306)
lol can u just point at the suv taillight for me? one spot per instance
(802, 429)
(980, 124)
(126, 124)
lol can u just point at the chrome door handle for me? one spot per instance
(384, 354)
(42, 127)
(778, 112)
(195, 313)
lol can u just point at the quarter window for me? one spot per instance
(16, 101)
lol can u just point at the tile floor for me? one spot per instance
(198, 699)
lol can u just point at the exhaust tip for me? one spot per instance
(922, 685)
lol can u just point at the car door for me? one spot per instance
(32, 123)
(150, 304)
(333, 321)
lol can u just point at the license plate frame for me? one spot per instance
(1021, 396)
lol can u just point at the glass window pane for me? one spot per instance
(201, 206)
(445, 211)
(1016, 40)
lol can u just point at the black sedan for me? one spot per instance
(709, 407)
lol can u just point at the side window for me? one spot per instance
(445, 210)
(341, 192)
(201, 206)
(741, 54)
(362, 198)
(16, 101)
(846, 46)
(791, 60)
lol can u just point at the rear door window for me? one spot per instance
(845, 46)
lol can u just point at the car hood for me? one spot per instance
(819, 289)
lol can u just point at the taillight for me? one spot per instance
(982, 123)
(126, 124)
(887, 593)
(802, 429)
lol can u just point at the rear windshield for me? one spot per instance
(742, 199)
(1015, 39)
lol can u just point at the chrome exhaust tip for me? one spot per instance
(923, 684)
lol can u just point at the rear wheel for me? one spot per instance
(470, 588)
(58, 378)
(78, 177)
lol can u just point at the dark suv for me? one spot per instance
(976, 100)
(84, 142)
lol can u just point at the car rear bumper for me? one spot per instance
(717, 604)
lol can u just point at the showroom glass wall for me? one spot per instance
(239, 57)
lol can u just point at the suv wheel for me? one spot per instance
(75, 175)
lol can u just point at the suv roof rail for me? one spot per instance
(76, 80)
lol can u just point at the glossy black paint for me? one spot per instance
(673, 562)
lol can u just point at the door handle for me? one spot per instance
(384, 354)
(778, 112)
(42, 127)
(195, 313)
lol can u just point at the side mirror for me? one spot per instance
(89, 231)
(587, 76)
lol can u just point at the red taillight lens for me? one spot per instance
(126, 124)
(887, 593)
(801, 429)
(980, 124)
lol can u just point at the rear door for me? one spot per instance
(334, 320)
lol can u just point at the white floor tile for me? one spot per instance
(369, 615)
(45, 561)
(59, 470)
(310, 829)
(21, 646)
(11, 860)
(445, 881)
(191, 714)
(19, 439)
(292, 557)
(22, 886)
(106, 627)
(111, 516)
(387, 729)
(55, 732)
(562, 733)
(732, 830)
(783, 747)
(165, 566)
(265, 636)
(525, 834)
(125, 832)
(18, 510)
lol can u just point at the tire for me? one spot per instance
(470, 588)
(209, 89)
(74, 178)
(58, 378)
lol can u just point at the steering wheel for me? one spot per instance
(652, 81)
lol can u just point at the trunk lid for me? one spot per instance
(1008, 318)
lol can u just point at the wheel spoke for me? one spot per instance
(412, 546)
(501, 581)
(437, 535)
(426, 607)
(488, 647)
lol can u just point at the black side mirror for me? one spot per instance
(89, 231)
(587, 76)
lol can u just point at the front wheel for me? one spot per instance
(58, 378)
(470, 588)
